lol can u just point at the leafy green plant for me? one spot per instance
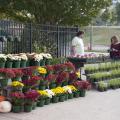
(102, 86)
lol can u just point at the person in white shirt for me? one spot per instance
(77, 44)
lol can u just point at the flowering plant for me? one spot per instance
(72, 77)
(51, 78)
(70, 66)
(73, 88)
(17, 86)
(16, 58)
(60, 67)
(23, 56)
(63, 76)
(10, 57)
(42, 70)
(32, 81)
(37, 57)
(82, 85)
(18, 72)
(50, 69)
(58, 91)
(46, 55)
(17, 98)
(31, 96)
(7, 73)
(2, 58)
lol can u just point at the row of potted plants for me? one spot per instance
(104, 75)
(90, 69)
(23, 60)
(27, 101)
(105, 85)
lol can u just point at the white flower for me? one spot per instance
(67, 89)
(37, 57)
(16, 58)
(24, 57)
(50, 93)
(3, 56)
(46, 55)
(10, 56)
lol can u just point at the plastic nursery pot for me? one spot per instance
(66, 96)
(55, 99)
(62, 98)
(34, 105)
(16, 64)
(23, 63)
(8, 64)
(2, 64)
(41, 103)
(28, 108)
(14, 89)
(82, 93)
(76, 94)
(52, 85)
(101, 89)
(28, 63)
(70, 96)
(3, 82)
(17, 109)
(47, 101)
(16, 79)
(113, 87)
(42, 87)
(25, 78)
(42, 62)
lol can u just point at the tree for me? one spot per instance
(118, 12)
(66, 12)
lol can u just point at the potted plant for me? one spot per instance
(51, 80)
(17, 86)
(82, 86)
(24, 59)
(18, 74)
(102, 86)
(3, 59)
(72, 77)
(70, 67)
(17, 99)
(43, 98)
(16, 61)
(31, 83)
(42, 72)
(5, 75)
(31, 98)
(9, 61)
(50, 69)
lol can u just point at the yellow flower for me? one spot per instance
(42, 92)
(72, 87)
(58, 90)
(17, 83)
(42, 70)
(78, 74)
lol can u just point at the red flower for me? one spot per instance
(51, 78)
(32, 95)
(49, 68)
(72, 77)
(82, 85)
(18, 72)
(70, 66)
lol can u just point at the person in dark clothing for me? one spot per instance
(115, 47)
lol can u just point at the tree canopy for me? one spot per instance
(65, 12)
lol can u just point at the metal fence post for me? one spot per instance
(58, 41)
(30, 37)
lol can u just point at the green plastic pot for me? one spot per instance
(55, 99)
(28, 108)
(52, 85)
(76, 94)
(62, 98)
(70, 96)
(3, 82)
(17, 109)
(34, 105)
(25, 78)
(66, 96)
(8, 64)
(16, 79)
(23, 63)
(2, 64)
(82, 93)
(16, 64)
(41, 103)
(42, 87)
(42, 62)
(47, 101)
(64, 83)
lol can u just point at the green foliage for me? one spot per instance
(67, 12)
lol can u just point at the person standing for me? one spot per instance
(77, 44)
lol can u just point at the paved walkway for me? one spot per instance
(95, 106)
